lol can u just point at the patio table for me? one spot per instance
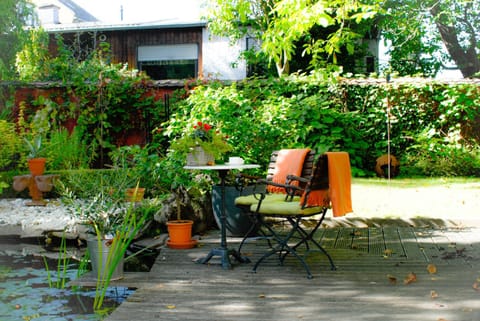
(223, 251)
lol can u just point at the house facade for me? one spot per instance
(179, 47)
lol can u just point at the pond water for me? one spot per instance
(28, 290)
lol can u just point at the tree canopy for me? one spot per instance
(281, 24)
(417, 30)
(15, 15)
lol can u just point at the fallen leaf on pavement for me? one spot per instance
(432, 269)
(476, 286)
(388, 252)
(411, 277)
(392, 279)
(433, 294)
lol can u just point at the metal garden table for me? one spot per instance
(223, 251)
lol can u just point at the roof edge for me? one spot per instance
(89, 26)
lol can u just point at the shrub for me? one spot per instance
(67, 151)
(362, 118)
(10, 144)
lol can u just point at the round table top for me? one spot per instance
(219, 167)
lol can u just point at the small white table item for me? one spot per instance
(223, 250)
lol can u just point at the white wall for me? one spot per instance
(221, 60)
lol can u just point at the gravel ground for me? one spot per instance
(455, 205)
(16, 218)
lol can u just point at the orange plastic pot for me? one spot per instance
(180, 234)
(37, 166)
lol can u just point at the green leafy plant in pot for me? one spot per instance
(111, 225)
(36, 163)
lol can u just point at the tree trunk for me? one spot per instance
(283, 66)
(467, 60)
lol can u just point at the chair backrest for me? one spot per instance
(317, 181)
(307, 167)
(330, 184)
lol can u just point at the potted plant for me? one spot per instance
(102, 216)
(180, 230)
(188, 200)
(36, 163)
(202, 145)
(96, 199)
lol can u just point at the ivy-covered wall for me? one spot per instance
(114, 112)
(432, 127)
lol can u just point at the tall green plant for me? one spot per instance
(62, 266)
(124, 235)
(68, 150)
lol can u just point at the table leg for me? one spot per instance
(223, 251)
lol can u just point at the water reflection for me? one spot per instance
(28, 290)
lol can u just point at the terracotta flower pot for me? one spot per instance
(180, 234)
(37, 166)
(134, 194)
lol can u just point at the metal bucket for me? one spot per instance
(99, 258)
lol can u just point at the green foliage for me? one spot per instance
(89, 183)
(264, 115)
(9, 145)
(434, 157)
(3, 184)
(67, 150)
(14, 16)
(420, 30)
(132, 222)
(282, 24)
(203, 135)
(32, 62)
(34, 147)
(107, 101)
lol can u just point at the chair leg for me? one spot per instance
(256, 221)
(282, 246)
(283, 249)
(307, 237)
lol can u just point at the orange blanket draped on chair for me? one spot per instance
(289, 162)
(340, 179)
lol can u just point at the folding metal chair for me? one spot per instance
(272, 186)
(314, 203)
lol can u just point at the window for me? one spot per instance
(169, 61)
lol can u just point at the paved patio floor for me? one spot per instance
(383, 273)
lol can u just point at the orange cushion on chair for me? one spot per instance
(289, 162)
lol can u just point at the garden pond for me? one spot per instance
(33, 288)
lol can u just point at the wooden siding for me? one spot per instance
(124, 43)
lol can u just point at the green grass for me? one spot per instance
(420, 182)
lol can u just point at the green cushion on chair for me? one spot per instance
(282, 208)
(250, 199)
